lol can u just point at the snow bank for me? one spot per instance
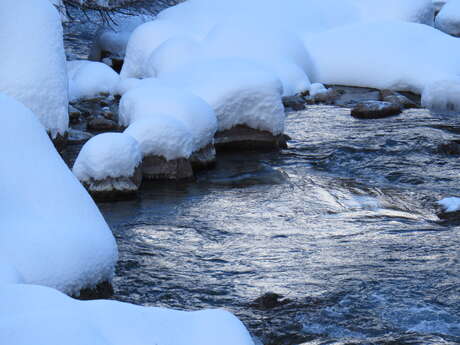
(51, 232)
(448, 19)
(9, 275)
(442, 95)
(38, 315)
(239, 91)
(88, 79)
(451, 204)
(385, 55)
(32, 60)
(162, 135)
(155, 99)
(107, 155)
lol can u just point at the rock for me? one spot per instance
(294, 102)
(320, 94)
(158, 168)
(451, 148)
(397, 98)
(101, 124)
(78, 137)
(60, 142)
(204, 158)
(74, 115)
(375, 110)
(269, 300)
(245, 138)
(103, 290)
(346, 96)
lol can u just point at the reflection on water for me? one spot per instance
(342, 223)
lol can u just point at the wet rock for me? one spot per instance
(294, 102)
(109, 114)
(375, 110)
(450, 148)
(103, 290)
(158, 168)
(245, 138)
(320, 94)
(101, 124)
(346, 96)
(204, 158)
(60, 142)
(397, 98)
(74, 115)
(269, 300)
(78, 137)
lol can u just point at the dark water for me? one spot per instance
(342, 224)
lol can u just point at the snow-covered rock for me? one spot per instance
(386, 55)
(451, 204)
(38, 315)
(109, 166)
(51, 232)
(88, 79)
(443, 94)
(448, 19)
(32, 60)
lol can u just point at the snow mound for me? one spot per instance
(107, 155)
(156, 98)
(51, 232)
(162, 135)
(88, 79)
(38, 315)
(9, 275)
(442, 95)
(451, 204)
(239, 91)
(385, 55)
(32, 67)
(448, 19)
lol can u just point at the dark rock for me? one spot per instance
(103, 290)
(451, 148)
(397, 98)
(74, 115)
(158, 168)
(269, 300)
(245, 138)
(60, 141)
(375, 110)
(101, 124)
(78, 137)
(294, 102)
(204, 158)
(346, 96)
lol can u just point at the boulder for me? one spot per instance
(204, 158)
(158, 168)
(101, 124)
(294, 102)
(242, 137)
(375, 110)
(397, 98)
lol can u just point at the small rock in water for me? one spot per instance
(450, 148)
(269, 300)
(101, 124)
(78, 137)
(375, 110)
(294, 102)
(449, 209)
(74, 115)
(397, 98)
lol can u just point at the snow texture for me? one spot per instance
(156, 99)
(107, 155)
(448, 19)
(451, 204)
(240, 92)
(39, 315)
(442, 95)
(51, 232)
(88, 79)
(32, 67)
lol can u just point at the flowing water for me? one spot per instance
(342, 224)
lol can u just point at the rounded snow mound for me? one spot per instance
(442, 95)
(448, 19)
(162, 135)
(240, 92)
(88, 79)
(32, 60)
(155, 98)
(51, 232)
(107, 155)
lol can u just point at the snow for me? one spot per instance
(9, 275)
(162, 135)
(32, 67)
(318, 89)
(385, 55)
(448, 19)
(442, 95)
(51, 232)
(88, 79)
(155, 98)
(240, 92)
(107, 155)
(451, 204)
(39, 315)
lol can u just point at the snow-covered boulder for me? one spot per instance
(448, 19)
(166, 144)
(109, 166)
(38, 315)
(386, 55)
(450, 208)
(442, 95)
(51, 232)
(32, 60)
(89, 79)
(245, 97)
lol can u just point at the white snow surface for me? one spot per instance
(385, 55)
(240, 92)
(448, 19)
(88, 79)
(39, 315)
(451, 204)
(157, 99)
(442, 95)
(51, 232)
(107, 155)
(32, 60)
(162, 135)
